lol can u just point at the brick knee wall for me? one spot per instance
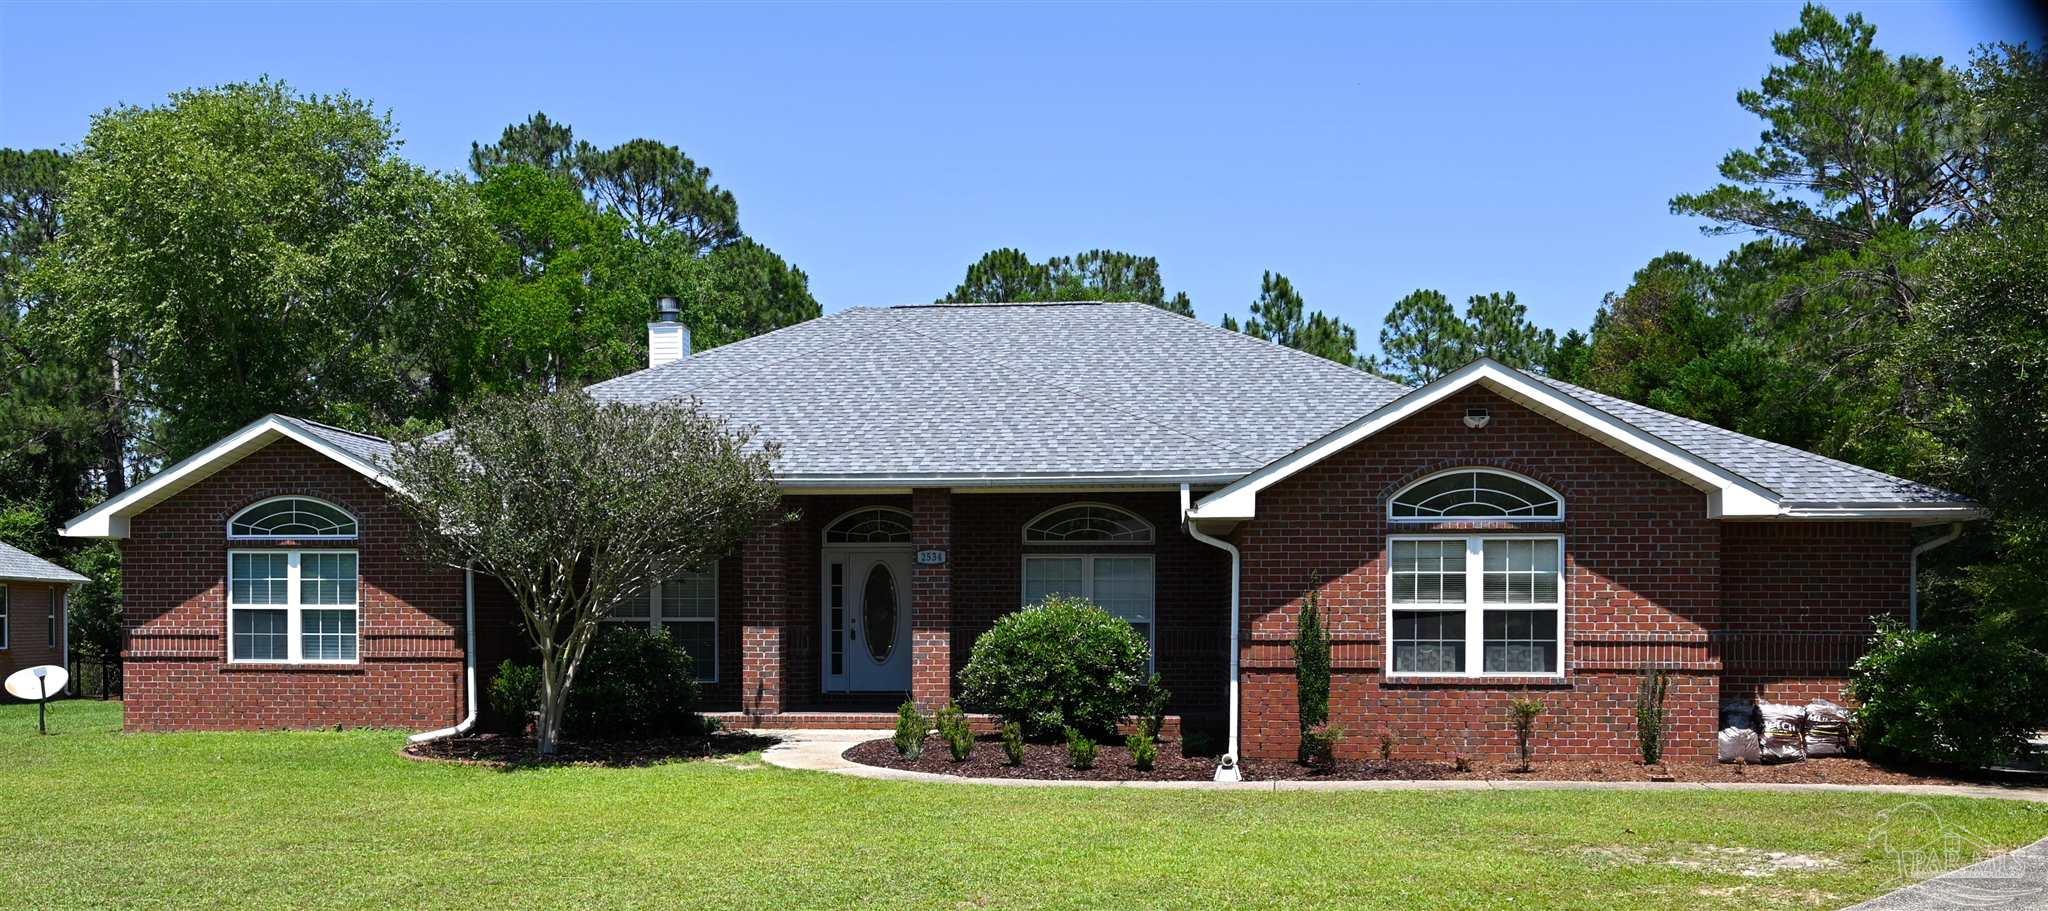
(206, 695)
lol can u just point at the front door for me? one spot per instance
(867, 620)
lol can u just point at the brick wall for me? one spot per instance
(1642, 587)
(30, 640)
(174, 612)
(1800, 598)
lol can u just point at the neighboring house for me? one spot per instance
(34, 598)
(1490, 535)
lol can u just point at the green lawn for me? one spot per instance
(97, 819)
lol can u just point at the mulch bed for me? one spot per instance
(1113, 763)
(1043, 761)
(506, 751)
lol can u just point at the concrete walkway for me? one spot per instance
(819, 751)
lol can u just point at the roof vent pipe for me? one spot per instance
(668, 340)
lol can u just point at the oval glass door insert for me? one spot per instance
(878, 603)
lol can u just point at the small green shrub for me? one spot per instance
(954, 731)
(1144, 750)
(1152, 719)
(1389, 739)
(1059, 664)
(1651, 717)
(1968, 697)
(1013, 743)
(911, 728)
(633, 682)
(1522, 713)
(515, 695)
(1080, 749)
(1319, 746)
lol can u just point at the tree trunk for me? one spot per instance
(554, 691)
(113, 439)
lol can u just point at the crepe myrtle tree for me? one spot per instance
(576, 505)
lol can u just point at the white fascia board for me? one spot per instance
(1165, 480)
(1730, 495)
(1924, 515)
(110, 518)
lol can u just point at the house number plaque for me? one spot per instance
(931, 557)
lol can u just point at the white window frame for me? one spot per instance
(654, 620)
(1475, 605)
(293, 608)
(1088, 587)
(6, 616)
(1473, 469)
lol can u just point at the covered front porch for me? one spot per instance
(865, 599)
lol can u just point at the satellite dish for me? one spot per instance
(35, 684)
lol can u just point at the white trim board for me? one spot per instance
(110, 518)
(1729, 495)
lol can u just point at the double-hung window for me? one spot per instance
(4, 616)
(293, 606)
(1475, 605)
(687, 607)
(1120, 583)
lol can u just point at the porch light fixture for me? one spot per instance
(1476, 418)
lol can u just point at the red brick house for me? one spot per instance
(1490, 535)
(34, 624)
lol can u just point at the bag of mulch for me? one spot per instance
(1827, 729)
(1740, 744)
(1784, 735)
(1740, 713)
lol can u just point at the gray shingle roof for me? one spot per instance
(1016, 390)
(1798, 476)
(375, 450)
(1093, 390)
(20, 565)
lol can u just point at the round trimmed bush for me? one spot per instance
(1062, 663)
(1968, 697)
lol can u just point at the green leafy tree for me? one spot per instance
(1499, 328)
(1984, 332)
(536, 142)
(1280, 316)
(564, 294)
(245, 249)
(577, 505)
(1423, 338)
(659, 190)
(1008, 275)
(1571, 359)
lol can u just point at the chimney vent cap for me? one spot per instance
(667, 310)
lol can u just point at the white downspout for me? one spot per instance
(468, 663)
(1955, 530)
(1226, 770)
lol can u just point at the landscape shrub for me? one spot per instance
(1319, 746)
(911, 728)
(1522, 714)
(1153, 718)
(1013, 743)
(1061, 663)
(633, 682)
(1080, 749)
(1651, 717)
(1968, 697)
(953, 729)
(1144, 750)
(1312, 682)
(515, 695)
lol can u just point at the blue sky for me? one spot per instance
(1363, 151)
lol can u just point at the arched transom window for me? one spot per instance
(1470, 493)
(295, 518)
(874, 525)
(1087, 523)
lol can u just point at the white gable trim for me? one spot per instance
(110, 518)
(1729, 495)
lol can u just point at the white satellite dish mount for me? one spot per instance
(37, 684)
